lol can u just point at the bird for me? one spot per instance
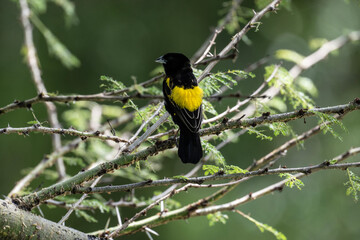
(183, 101)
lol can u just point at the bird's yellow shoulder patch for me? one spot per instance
(190, 98)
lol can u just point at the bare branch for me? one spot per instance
(18, 224)
(306, 63)
(198, 181)
(71, 184)
(67, 215)
(36, 76)
(292, 142)
(282, 117)
(49, 160)
(279, 186)
(210, 41)
(98, 97)
(237, 37)
(36, 128)
(200, 208)
(241, 103)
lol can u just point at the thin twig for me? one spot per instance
(201, 53)
(198, 181)
(98, 97)
(49, 160)
(142, 212)
(71, 184)
(137, 142)
(279, 186)
(199, 208)
(75, 206)
(63, 131)
(241, 103)
(36, 76)
(306, 63)
(67, 205)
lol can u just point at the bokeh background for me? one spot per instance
(121, 39)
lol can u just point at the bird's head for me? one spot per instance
(174, 62)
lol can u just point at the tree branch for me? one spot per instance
(72, 183)
(198, 181)
(306, 63)
(83, 135)
(36, 76)
(49, 160)
(210, 41)
(200, 208)
(18, 224)
(98, 97)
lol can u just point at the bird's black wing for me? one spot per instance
(182, 116)
(192, 120)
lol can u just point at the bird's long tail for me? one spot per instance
(190, 150)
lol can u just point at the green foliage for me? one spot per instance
(239, 16)
(215, 154)
(145, 114)
(210, 169)
(181, 177)
(91, 203)
(333, 161)
(284, 81)
(227, 169)
(208, 107)
(74, 161)
(169, 203)
(212, 83)
(109, 111)
(172, 204)
(231, 169)
(38, 6)
(153, 90)
(307, 85)
(77, 117)
(316, 43)
(110, 85)
(260, 4)
(292, 181)
(281, 128)
(135, 174)
(264, 227)
(92, 150)
(353, 185)
(258, 133)
(83, 214)
(69, 11)
(289, 55)
(32, 122)
(217, 217)
(96, 204)
(331, 120)
(277, 104)
(56, 48)
(50, 175)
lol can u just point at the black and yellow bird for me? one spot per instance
(183, 98)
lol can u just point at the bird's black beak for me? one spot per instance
(160, 60)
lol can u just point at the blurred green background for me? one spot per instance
(121, 39)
